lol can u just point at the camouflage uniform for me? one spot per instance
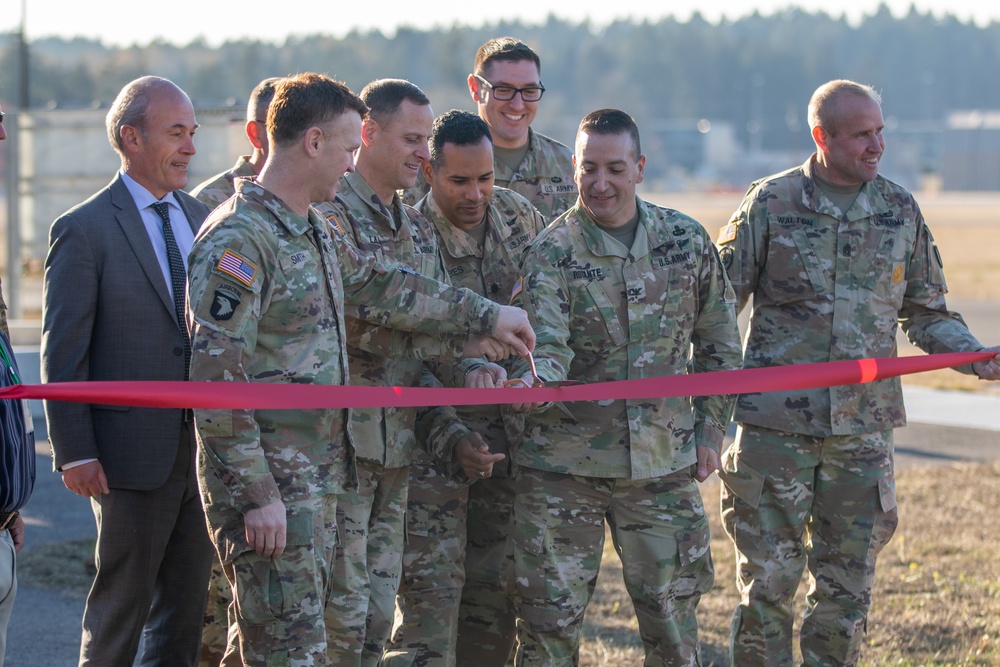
(373, 517)
(810, 477)
(602, 312)
(266, 288)
(221, 187)
(214, 640)
(457, 534)
(544, 177)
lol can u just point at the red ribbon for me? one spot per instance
(259, 395)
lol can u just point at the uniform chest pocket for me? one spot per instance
(426, 264)
(886, 274)
(606, 311)
(794, 272)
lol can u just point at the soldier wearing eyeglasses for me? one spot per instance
(506, 86)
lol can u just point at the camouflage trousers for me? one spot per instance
(792, 501)
(214, 633)
(660, 532)
(426, 623)
(280, 603)
(453, 607)
(372, 528)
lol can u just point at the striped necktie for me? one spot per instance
(178, 279)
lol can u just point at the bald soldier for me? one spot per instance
(217, 189)
(836, 257)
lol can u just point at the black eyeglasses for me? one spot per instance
(2, 114)
(506, 93)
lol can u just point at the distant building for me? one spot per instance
(971, 151)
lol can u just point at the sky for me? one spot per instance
(119, 23)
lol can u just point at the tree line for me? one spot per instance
(756, 72)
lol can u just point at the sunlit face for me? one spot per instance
(508, 120)
(341, 139)
(463, 184)
(394, 153)
(158, 158)
(606, 172)
(849, 153)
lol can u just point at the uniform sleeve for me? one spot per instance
(389, 294)
(924, 315)
(545, 297)
(716, 346)
(394, 343)
(223, 317)
(439, 430)
(742, 246)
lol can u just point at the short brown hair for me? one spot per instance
(383, 97)
(307, 100)
(611, 121)
(504, 48)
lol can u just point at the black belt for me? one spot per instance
(6, 519)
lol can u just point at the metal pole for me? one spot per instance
(12, 293)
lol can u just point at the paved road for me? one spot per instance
(44, 631)
(45, 626)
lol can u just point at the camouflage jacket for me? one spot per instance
(544, 177)
(385, 436)
(603, 313)
(266, 289)
(511, 224)
(221, 187)
(831, 285)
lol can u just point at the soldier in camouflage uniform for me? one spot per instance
(213, 192)
(266, 290)
(619, 289)
(834, 256)
(219, 188)
(451, 593)
(369, 215)
(506, 86)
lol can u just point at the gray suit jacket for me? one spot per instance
(108, 315)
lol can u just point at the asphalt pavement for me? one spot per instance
(945, 428)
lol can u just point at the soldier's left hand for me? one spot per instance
(474, 456)
(487, 376)
(526, 381)
(708, 462)
(989, 369)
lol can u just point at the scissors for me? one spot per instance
(537, 382)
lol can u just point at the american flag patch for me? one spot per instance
(516, 289)
(237, 267)
(332, 219)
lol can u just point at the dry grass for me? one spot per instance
(937, 597)
(937, 594)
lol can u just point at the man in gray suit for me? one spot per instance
(113, 310)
